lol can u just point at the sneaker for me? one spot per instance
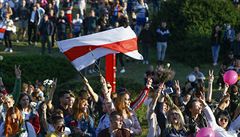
(35, 44)
(6, 49)
(17, 41)
(147, 62)
(214, 64)
(123, 71)
(10, 50)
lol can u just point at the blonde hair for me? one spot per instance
(120, 103)
(181, 122)
(77, 112)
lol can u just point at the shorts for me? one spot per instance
(23, 23)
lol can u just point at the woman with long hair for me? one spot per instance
(130, 121)
(175, 126)
(223, 105)
(15, 125)
(122, 104)
(28, 112)
(7, 10)
(80, 122)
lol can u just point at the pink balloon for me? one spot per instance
(230, 77)
(205, 132)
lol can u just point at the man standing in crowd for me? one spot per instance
(61, 26)
(162, 39)
(23, 12)
(229, 37)
(32, 26)
(90, 23)
(216, 39)
(68, 7)
(46, 32)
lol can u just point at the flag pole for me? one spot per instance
(110, 67)
(98, 68)
(82, 76)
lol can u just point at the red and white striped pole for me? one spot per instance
(110, 67)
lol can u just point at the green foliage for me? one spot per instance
(76, 85)
(36, 68)
(131, 85)
(191, 23)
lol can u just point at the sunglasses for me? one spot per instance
(223, 119)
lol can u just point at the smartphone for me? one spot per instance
(168, 90)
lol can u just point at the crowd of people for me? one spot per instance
(172, 110)
(47, 21)
(37, 110)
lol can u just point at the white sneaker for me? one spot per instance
(35, 44)
(123, 71)
(214, 64)
(6, 49)
(10, 50)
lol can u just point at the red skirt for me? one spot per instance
(69, 18)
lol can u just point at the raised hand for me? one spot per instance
(18, 71)
(177, 87)
(85, 80)
(202, 96)
(226, 87)
(54, 84)
(211, 75)
(159, 91)
(102, 79)
(149, 82)
(203, 102)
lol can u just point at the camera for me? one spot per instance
(168, 90)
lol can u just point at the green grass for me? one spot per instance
(134, 69)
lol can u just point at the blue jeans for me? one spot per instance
(46, 39)
(215, 52)
(161, 49)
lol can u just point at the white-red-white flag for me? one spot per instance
(83, 51)
(2, 30)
